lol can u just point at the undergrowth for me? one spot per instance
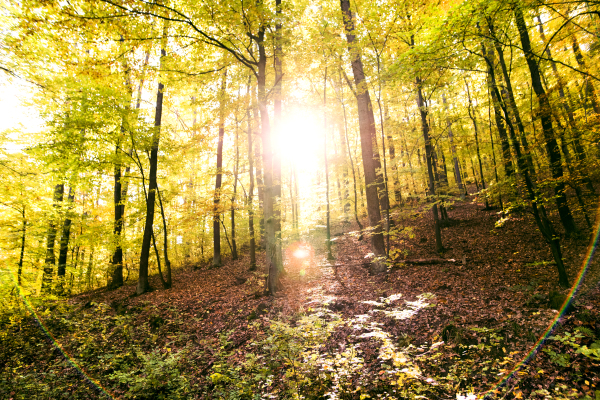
(51, 349)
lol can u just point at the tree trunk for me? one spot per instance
(510, 98)
(234, 254)
(493, 151)
(90, 268)
(50, 259)
(367, 132)
(410, 166)
(276, 193)
(116, 277)
(457, 176)
(327, 213)
(267, 156)
(217, 196)
(167, 283)
(429, 158)
(496, 99)
(251, 188)
(296, 193)
(22, 254)
(347, 142)
(385, 182)
(64, 239)
(393, 162)
(120, 187)
(345, 181)
(143, 284)
(336, 169)
(473, 117)
(292, 200)
(259, 175)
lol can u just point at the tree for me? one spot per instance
(219, 176)
(367, 132)
(552, 148)
(143, 283)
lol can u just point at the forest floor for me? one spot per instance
(461, 327)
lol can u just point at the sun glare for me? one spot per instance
(300, 253)
(301, 138)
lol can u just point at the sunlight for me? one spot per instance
(302, 139)
(298, 257)
(299, 250)
(17, 116)
(301, 253)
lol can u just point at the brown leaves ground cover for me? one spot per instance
(437, 330)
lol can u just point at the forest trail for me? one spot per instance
(501, 291)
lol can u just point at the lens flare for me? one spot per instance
(93, 383)
(301, 253)
(298, 256)
(556, 321)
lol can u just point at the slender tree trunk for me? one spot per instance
(393, 162)
(510, 97)
(429, 158)
(367, 132)
(143, 284)
(116, 276)
(167, 283)
(457, 176)
(336, 169)
(325, 128)
(64, 239)
(408, 156)
(276, 193)
(354, 180)
(441, 162)
(544, 224)
(473, 117)
(234, 254)
(121, 185)
(251, 189)
(493, 151)
(347, 141)
(429, 155)
(473, 169)
(259, 173)
(90, 268)
(217, 196)
(552, 148)
(296, 193)
(385, 186)
(202, 239)
(496, 99)
(50, 259)
(345, 181)
(22, 254)
(292, 200)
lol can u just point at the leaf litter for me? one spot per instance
(443, 330)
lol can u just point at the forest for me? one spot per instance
(299, 199)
